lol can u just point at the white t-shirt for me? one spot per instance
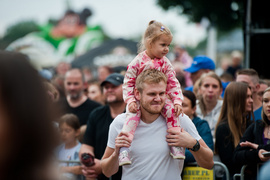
(150, 153)
(211, 117)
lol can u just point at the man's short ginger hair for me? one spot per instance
(252, 73)
(150, 76)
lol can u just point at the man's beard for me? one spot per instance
(114, 101)
(75, 96)
(150, 110)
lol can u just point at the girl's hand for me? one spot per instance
(122, 140)
(132, 107)
(249, 144)
(178, 110)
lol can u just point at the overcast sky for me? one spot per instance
(119, 18)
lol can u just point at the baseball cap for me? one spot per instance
(201, 62)
(114, 78)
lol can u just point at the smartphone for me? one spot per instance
(266, 154)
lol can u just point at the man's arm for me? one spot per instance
(71, 169)
(204, 156)
(93, 171)
(109, 161)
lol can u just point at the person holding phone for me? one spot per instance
(254, 146)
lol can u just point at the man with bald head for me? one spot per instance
(76, 101)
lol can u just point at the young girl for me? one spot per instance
(157, 39)
(69, 151)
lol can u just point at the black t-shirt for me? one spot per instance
(83, 110)
(96, 134)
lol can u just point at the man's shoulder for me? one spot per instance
(258, 114)
(119, 120)
(101, 110)
(189, 126)
(259, 109)
(185, 121)
(92, 103)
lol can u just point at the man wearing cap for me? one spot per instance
(96, 135)
(201, 64)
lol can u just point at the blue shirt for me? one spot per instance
(257, 114)
(204, 131)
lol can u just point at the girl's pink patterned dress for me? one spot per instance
(143, 62)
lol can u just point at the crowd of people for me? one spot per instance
(144, 123)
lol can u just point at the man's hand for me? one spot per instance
(204, 156)
(110, 159)
(92, 171)
(122, 140)
(132, 107)
(180, 138)
(178, 110)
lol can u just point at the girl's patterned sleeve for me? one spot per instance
(173, 85)
(130, 81)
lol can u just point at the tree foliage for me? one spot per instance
(225, 15)
(16, 31)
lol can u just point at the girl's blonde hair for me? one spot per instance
(264, 117)
(152, 33)
(213, 75)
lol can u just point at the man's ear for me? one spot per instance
(137, 94)
(257, 87)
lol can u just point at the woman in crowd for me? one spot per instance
(26, 129)
(209, 101)
(94, 92)
(189, 108)
(233, 120)
(255, 141)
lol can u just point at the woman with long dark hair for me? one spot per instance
(234, 118)
(255, 141)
